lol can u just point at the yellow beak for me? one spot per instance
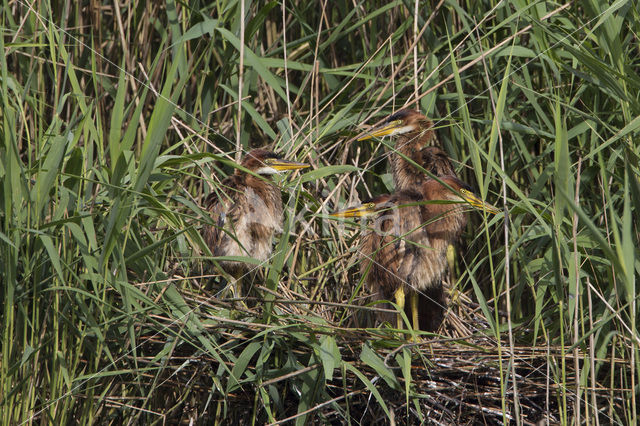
(383, 131)
(367, 209)
(280, 165)
(478, 203)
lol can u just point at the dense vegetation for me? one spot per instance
(119, 118)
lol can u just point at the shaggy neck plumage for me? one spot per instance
(265, 189)
(405, 174)
(448, 220)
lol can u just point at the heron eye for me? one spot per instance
(269, 160)
(465, 192)
(398, 122)
(370, 205)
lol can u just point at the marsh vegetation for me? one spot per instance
(118, 119)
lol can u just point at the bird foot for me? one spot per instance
(414, 338)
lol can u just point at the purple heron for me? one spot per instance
(411, 157)
(413, 134)
(247, 212)
(406, 251)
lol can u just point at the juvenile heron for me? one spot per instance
(247, 212)
(413, 134)
(406, 251)
(413, 155)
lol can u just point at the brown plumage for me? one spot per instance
(435, 161)
(413, 134)
(405, 251)
(248, 210)
(432, 300)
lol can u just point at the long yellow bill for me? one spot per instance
(280, 165)
(366, 209)
(477, 203)
(383, 131)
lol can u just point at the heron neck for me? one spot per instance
(258, 183)
(446, 221)
(405, 174)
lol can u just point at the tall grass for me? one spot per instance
(118, 118)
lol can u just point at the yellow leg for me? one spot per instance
(399, 295)
(451, 257)
(236, 289)
(451, 260)
(236, 286)
(413, 299)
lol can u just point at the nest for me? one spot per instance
(462, 375)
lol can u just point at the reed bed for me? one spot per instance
(119, 118)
